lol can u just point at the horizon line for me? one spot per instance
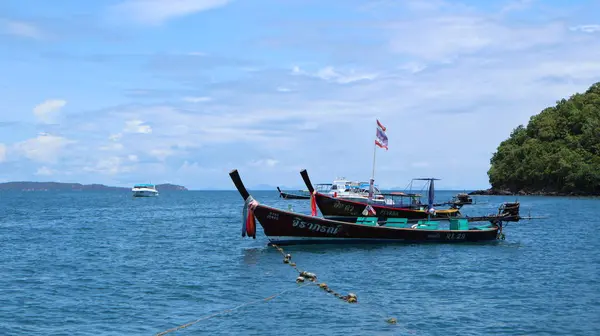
(261, 188)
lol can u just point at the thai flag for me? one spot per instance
(369, 211)
(382, 139)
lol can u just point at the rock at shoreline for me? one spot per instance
(492, 192)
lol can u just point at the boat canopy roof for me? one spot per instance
(144, 185)
(402, 194)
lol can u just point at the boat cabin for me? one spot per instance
(144, 186)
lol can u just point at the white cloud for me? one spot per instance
(413, 67)
(197, 99)
(115, 137)
(445, 37)
(22, 29)
(591, 28)
(44, 171)
(420, 164)
(192, 168)
(112, 147)
(136, 126)
(155, 12)
(264, 163)
(44, 148)
(110, 166)
(161, 154)
(516, 5)
(330, 74)
(49, 110)
(2, 152)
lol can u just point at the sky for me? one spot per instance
(183, 91)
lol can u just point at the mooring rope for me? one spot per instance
(350, 298)
(302, 277)
(228, 310)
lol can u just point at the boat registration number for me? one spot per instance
(455, 236)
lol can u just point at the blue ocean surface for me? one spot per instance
(104, 263)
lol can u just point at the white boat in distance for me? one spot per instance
(144, 190)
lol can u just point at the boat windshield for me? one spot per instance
(139, 186)
(324, 187)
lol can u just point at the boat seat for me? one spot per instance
(459, 224)
(397, 222)
(427, 225)
(371, 221)
(483, 227)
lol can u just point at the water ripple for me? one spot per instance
(102, 263)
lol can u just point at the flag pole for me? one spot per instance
(371, 186)
(374, 152)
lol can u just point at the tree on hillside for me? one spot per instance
(558, 151)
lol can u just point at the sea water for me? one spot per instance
(104, 263)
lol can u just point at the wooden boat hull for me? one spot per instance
(339, 207)
(336, 207)
(288, 228)
(285, 195)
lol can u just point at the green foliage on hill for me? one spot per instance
(558, 151)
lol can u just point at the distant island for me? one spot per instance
(558, 153)
(59, 186)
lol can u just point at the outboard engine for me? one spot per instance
(509, 211)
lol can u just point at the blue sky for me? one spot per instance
(183, 91)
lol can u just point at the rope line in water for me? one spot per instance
(303, 276)
(228, 310)
(350, 298)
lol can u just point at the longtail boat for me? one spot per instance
(461, 199)
(285, 195)
(338, 207)
(285, 227)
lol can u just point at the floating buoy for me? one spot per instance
(309, 276)
(303, 276)
(351, 298)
